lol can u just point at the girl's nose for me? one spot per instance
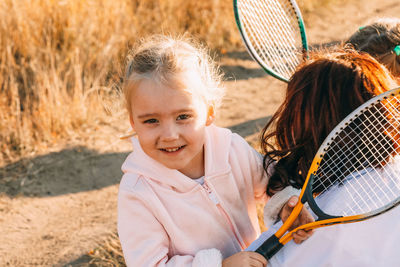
(170, 132)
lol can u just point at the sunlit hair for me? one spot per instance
(320, 94)
(166, 60)
(379, 39)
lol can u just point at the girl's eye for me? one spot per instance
(150, 121)
(183, 117)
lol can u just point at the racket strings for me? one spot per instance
(361, 159)
(286, 36)
(352, 147)
(382, 152)
(378, 151)
(264, 47)
(373, 157)
(356, 166)
(394, 119)
(359, 201)
(263, 41)
(356, 197)
(272, 30)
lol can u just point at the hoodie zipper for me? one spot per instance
(214, 199)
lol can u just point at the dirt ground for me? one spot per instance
(63, 204)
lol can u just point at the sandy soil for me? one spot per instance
(63, 204)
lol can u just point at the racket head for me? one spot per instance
(355, 174)
(274, 34)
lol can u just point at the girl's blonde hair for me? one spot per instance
(165, 60)
(381, 39)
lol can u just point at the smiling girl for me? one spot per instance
(189, 190)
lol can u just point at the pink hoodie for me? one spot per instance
(168, 219)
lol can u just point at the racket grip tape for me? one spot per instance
(270, 247)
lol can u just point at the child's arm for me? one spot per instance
(145, 242)
(245, 258)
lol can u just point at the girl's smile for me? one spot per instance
(171, 150)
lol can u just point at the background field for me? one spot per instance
(60, 118)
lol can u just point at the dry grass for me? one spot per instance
(60, 58)
(108, 255)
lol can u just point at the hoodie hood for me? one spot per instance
(216, 160)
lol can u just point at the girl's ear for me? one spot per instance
(210, 116)
(131, 122)
(130, 133)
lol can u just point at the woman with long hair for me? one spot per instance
(320, 94)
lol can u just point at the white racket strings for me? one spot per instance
(272, 29)
(360, 169)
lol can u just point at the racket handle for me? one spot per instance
(270, 247)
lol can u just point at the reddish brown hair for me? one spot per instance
(321, 93)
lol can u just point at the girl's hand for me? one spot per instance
(303, 218)
(245, 258)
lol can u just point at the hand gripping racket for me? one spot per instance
(274, 34)
(355, 174)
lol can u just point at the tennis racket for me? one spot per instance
(274, 34)
(355, 174)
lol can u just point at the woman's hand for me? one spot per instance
(303, 218)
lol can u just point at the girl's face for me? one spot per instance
(170, 125)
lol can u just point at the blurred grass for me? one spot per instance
(59, 59)
(107, 255)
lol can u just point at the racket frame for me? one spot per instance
(253, 53)
(273, 244)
